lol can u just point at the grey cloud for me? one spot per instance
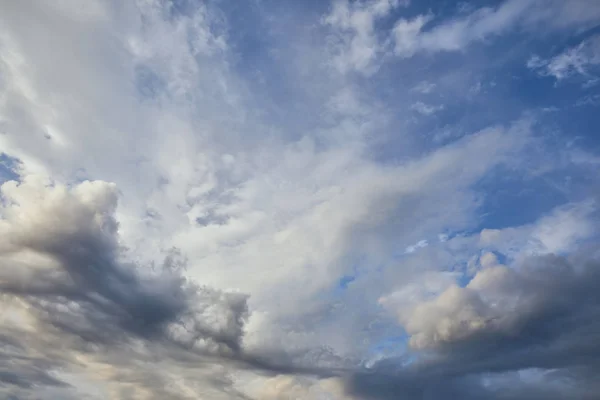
(86, 310)
(546, 318)
(374, 386)
(61, 264)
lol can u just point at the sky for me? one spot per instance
(307, 200)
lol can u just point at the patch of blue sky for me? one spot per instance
(510, 201)
(391, 347)
(471, 93)
(8, 168)
(358, 266)
(345, 280)
(261, 60)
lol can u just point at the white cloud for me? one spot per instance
(498, 302)
(456, 34)
(436, 311)
(559, 232)
(234, 223)
(410, 36)
(406, 34)
(280, 216)
(579, 60)
(357, 46)
(419, 245)
(424, 87)
(426, 109)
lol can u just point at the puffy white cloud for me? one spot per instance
(499, 301)
(459, 313)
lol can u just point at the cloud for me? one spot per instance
(424, 87)
(426, 109)
(84, 286)
(63, 266)
(356, 44)
(506, 319)
(561, 231)
(577, 61)
(188, 190)
(411, 37)
(459, 33)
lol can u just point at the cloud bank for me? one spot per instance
(362, 200)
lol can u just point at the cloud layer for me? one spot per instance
(362, 200)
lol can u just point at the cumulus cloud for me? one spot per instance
(506, 319)
(234, 200)
(498, 298)
(494, 300)
(64, 268)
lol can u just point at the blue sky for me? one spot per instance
(365, 200)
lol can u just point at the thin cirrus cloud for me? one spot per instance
(235, 201)
(480, 25)
(579, 61)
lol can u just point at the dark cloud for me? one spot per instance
(551, 330)
(64, 276)
(62, 266)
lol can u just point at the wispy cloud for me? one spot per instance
(426, 109)
(185, 189)
(582, 60)
(482, 24)
(356, 44)
(424, 87)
